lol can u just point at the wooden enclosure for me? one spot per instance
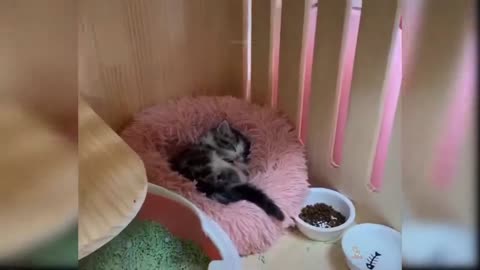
(335, 68)
(295, 56)
(133, 54)
(137, 53)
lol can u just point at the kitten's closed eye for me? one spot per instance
(227, 145)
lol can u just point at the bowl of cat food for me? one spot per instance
(326, 214)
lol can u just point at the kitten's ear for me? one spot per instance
(224, 128)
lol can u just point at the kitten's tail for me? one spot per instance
(258, 197)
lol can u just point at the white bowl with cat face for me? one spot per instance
(339, 202)
(370, 246)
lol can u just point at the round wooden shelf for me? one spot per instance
(112, 185)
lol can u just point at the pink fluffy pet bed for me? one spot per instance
(277, 163)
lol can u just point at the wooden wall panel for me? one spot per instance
(378, 26)
(38, 57)
(366, 99)
(136, 53)
(261, 48)
(332, 18)
(294, 19)
(436, 47)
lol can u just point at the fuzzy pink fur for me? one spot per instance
(277, 165)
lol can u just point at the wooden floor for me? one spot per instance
(295, 251)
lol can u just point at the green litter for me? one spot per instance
(145, 245)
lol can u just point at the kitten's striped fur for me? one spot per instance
(218, 163)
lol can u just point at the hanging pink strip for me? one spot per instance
(460, 113)
(344, 88)
(389, 108)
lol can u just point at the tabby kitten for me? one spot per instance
(218, 163)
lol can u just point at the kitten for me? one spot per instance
(218, 163)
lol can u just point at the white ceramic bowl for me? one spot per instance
(339, 202)
(370, 246)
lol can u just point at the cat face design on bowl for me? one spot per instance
(371, 261)
(356, 253)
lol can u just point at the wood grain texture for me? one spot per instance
(266, 31)
(433, 49)
(137, 53)
(378, 25)
(291, 47)
(38, 180)
(329, 39)
(113, 182)
(38, 57)
(261, 92)
(295, 251)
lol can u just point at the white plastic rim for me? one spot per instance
(350, 219)
(231, 258)
(371, 246)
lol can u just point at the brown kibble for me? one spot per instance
(322, 215)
